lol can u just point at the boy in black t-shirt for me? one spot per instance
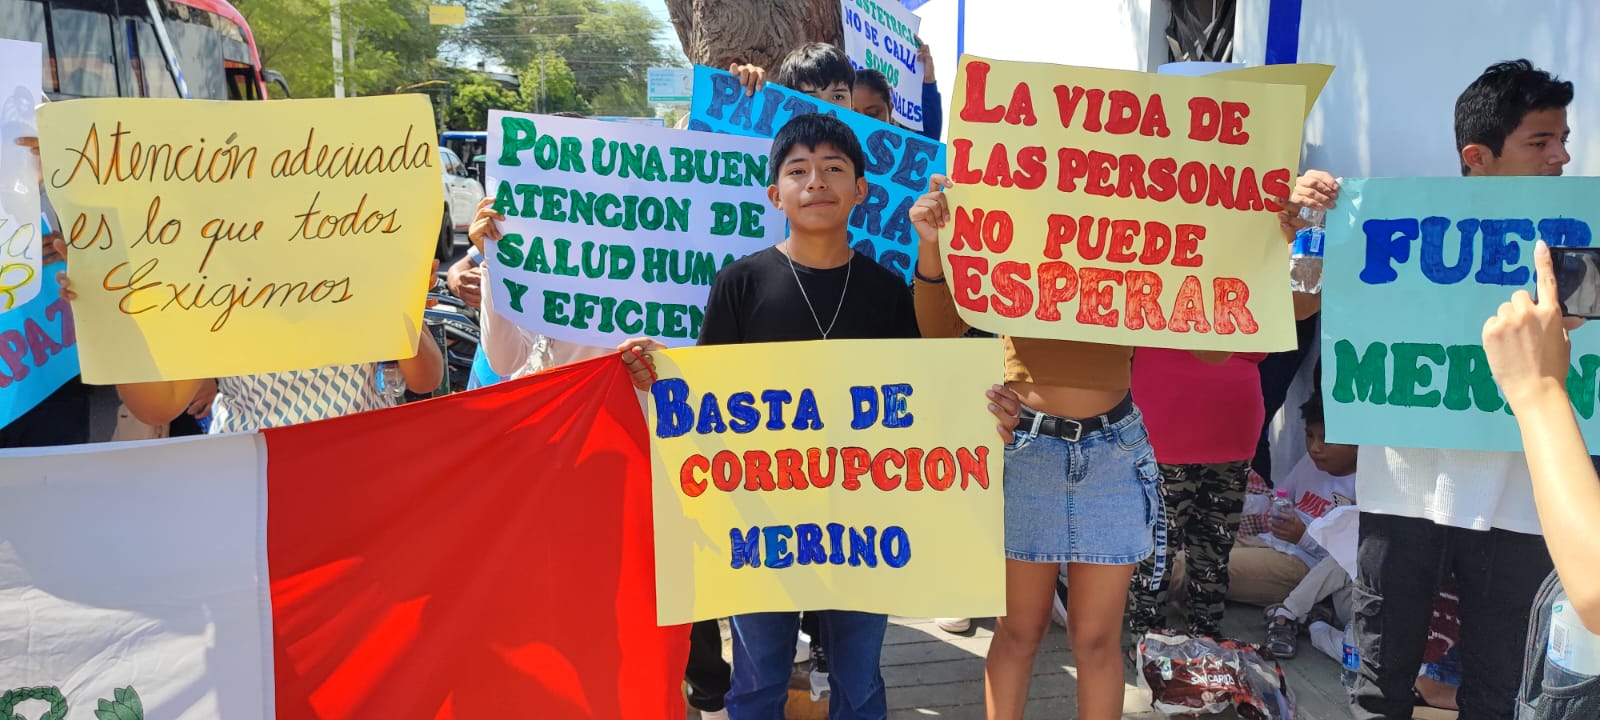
(811, 286)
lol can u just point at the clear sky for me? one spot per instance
(658, 8)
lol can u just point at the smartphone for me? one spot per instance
(1577, 280)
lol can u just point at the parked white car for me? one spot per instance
(461, 196)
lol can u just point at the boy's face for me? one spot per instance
(869, 103)
(1332, 458)
(837, 94)
(1537, 147)
(817, 188)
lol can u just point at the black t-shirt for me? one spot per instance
(757, 299)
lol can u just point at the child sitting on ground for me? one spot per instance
(1283, 568)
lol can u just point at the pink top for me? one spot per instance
(1197, 412)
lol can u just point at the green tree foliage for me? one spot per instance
(587, 56)
(609, 45)
(471, 100)
(388, 43)
(549, 86)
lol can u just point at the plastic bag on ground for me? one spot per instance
(1200, 676)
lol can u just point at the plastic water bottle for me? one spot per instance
(1282, 508)
(1573, 653)
(390, 381)
(1352, 658)
(1305, 257)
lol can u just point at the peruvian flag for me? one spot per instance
(485, 555)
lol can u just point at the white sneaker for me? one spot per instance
(714, 715)
(802, 649)
(953, 625)
(819, 686)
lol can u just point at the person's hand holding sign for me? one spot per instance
(1316, 189)
(1527, 344)
(928, 216)
(751, 77)
(1006, 406)
(58, 247)
(485, 225)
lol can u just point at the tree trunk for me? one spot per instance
(722, 32)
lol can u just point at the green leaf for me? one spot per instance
(105, 714)
(105, 706)
(133, 702)
(124, 712)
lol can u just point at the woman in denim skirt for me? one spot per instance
(1080, 488)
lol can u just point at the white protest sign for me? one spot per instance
(614, 231)
(669, 85)
(882, 36)
(20, 253)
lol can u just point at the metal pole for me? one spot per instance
(167, 52)
(338, 49)
(543, 102)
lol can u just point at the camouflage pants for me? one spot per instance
(1203, 504)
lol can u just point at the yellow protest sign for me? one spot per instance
(1121, 207)
(1310, 76)
(211, 239)
(845, 474)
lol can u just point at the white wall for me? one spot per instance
(1388, 110)
(1116, 34)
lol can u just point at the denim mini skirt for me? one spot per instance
(1092, 500)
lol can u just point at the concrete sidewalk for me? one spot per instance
(933, 674)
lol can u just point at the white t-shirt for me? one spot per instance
(514, 352)
(1471, 489)
(1313, 493)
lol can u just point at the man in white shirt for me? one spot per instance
(1427, 513)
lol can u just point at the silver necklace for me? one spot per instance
(807, 297)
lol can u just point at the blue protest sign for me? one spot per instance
(899, 162)
(38, 351)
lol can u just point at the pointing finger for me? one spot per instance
(1544, 269)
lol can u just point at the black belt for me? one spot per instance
(1072, 429)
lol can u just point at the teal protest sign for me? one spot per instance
(899, 162)
(1414, 266)
(38, 351)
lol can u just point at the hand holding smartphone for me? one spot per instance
(1577, 280)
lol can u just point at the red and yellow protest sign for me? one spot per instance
(1121, 207)
(839, 474)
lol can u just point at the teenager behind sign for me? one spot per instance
(810, 287)
(1428, 512)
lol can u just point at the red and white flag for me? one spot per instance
(481, 556)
